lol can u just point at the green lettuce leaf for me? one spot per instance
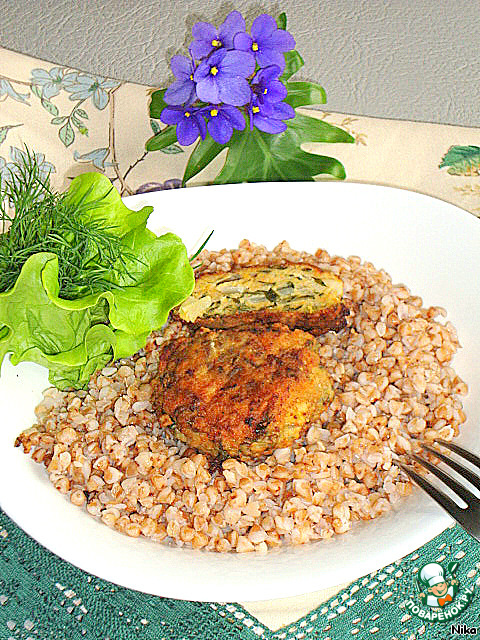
(74, 338)
(103, 202)
(41, 331)
(158, 280)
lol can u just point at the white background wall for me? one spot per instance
(408, 59)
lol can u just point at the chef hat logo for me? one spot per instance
(432, 574)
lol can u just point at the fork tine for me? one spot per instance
(451, 483)
(444, 501)
(473, 478)
(468, 455)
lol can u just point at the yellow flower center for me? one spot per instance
(254, 46)
(216, 43)
(214, 71)
(191, 76)
(214, 112)
(255, 109)
(187, 114)
(265, 92)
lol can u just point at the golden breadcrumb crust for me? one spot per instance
(241, 393)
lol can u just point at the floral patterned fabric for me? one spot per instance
(76, 121)
(80, 122)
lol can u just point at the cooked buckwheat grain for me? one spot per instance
(393, 380)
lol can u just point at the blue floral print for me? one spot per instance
(83, 86)
(7, 91)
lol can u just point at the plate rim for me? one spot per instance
(437, 525)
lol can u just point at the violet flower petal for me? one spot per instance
(262, 108)
(276, 91)
(217, 57)
(182, 67)
(268, 125)
(235, 116)
(267, 87)
(267, 57)
(201, 126)
(283, 111)
(199, 49)
(202, 71)
(187, 131)
(234, 23)
(204, 34)
(238, 63)
(266, 75)
(262, 27)
(280, 40)
(233, 90)
(204, 31)
(243, 42)
(204, 68)
(180, 92)
(220, 128)
(208, 90)
(171, 116)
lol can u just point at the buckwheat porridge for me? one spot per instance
(106, 449)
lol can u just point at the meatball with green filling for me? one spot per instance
(300, 296)
(243, 392)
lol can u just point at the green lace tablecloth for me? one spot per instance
(43, 597)
(79, 122)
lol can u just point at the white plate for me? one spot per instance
(428, 244)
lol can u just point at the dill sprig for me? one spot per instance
(34, 218)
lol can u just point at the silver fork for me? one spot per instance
(467, 517)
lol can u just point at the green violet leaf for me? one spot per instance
(293, 62)
(157, 103)
(254, 156)
(307, 129)
(161, 140)
(205, 151)
(282, 21)
(303, 93)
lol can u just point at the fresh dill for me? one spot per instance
(34, 218)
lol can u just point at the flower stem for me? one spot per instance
(11, 80)
(125, 190)
(132, 166)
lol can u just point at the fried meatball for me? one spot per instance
(300, 296)
(241, 393)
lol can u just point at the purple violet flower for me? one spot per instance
(268, 117)
(267, 87)
(267, 42)
(221, 78)
(190, 123)
(182, 91)
(208, 38)
(223, 119)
